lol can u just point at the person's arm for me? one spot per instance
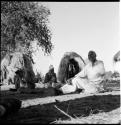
(82, 73)
(102, 70)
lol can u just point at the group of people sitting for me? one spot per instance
(89, 80)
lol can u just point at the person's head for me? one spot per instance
(92, 56)
(51, 68)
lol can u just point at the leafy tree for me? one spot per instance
(22, 23)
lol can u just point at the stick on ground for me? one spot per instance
(63, 112)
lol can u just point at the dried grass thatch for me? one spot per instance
(4, 64)
(63, 67)
(18, 61)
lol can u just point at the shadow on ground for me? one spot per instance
(36, 93)
(48, 113)
(45, 92)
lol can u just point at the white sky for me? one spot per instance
(81, 27)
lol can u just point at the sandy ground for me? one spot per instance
(39, 107)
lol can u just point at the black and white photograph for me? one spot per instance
(60, 62)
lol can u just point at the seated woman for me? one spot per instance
(89, 79)
(50, 77)
(73, 68)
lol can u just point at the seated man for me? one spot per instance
(50, 77)
(89, 79)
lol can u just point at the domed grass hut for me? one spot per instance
(116, 57)
(70, 64)
(18, 62)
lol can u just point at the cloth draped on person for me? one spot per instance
(89, 79)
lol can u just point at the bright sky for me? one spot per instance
(81, 27)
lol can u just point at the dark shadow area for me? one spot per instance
(48, 113)
(36, 93)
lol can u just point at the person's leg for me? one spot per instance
(68, 88)
(84, 84)
(78, 83)
(17, 82)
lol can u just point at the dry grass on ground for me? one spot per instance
(112, 117)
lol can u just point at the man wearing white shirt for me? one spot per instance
(89, 79)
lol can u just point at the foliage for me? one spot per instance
(22, 23)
